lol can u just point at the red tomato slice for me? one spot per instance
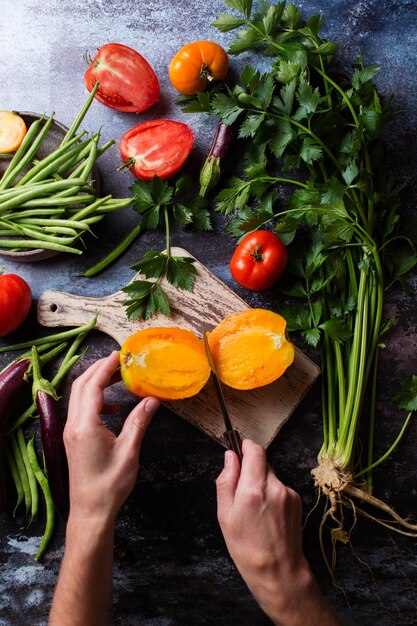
(259, 260)
(126, 80)
(156, 148)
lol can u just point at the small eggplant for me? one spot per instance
(211, 170)
(12, 379)
(46, 399)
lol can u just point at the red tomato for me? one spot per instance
(158, 147)
(15, 302)
(259, 260)
(126, 80)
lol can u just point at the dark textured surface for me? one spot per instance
(171, 567)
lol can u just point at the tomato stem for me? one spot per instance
(205, 73)
(128, 164)
(257, 256)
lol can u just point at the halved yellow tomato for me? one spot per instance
(250, 349)
(168, 363)
(12, 131)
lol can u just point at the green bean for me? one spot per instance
(28, 156)
(120, 202)
(42, 165)
(70, 190)
(70, 355)
(17, 215)
(55, 382)
(41, 190)
(44, 358)
(31, 477)
(11, 226)
(77, 122)
(94, 219)
(115, 253)
(6, 194)
(51, 222)
(89, 210)
(114, 204)
(67, 364)
(105, 147)
(48, 339)
(91, 159)
(62, 230)
(22, 472)
(49, 354)
(55, 227)
(54, 201)
(33, 129)
(35, 244)
(10, 460)
(103, 208)
(63, 162)
(80, 168)
(100, 151)
(40, 234)
(50, 508)
(80, 157)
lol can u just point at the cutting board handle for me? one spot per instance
(57, 308)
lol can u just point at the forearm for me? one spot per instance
(83, 594)
(299, 603)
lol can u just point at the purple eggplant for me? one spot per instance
(12, 379)
(46, 401)
(211, 170)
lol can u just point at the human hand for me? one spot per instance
(102, 467)
(261, 523)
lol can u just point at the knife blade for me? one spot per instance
(231, 435)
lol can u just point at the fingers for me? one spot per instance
(226, 484)
(254, 465)
(87, 390)
(137, 422)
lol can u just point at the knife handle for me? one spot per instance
(234, 442)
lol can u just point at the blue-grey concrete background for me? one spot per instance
(173, 569)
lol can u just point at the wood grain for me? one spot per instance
(257, 414)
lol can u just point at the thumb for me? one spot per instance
(226, 484)
(137, 422)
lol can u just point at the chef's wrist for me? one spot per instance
(89, 530)
(297, 601)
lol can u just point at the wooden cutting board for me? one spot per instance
(257, 414)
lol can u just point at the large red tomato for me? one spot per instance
(156, 148)
(259, 260)
(15, 302)
(126, 80)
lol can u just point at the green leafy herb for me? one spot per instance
(156, 201)
(314, 170)
(407, 399)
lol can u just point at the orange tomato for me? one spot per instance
(12, 131)
(250, 349)
(196, 65)
(169, 363)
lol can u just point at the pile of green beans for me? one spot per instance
(21, 457)
(51, 203)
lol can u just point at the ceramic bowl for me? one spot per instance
(52, 140)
